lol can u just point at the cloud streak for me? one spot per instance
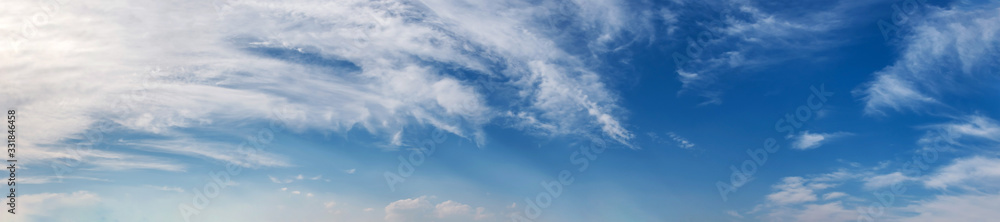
(948, 53)
(325, 66)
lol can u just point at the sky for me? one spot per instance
(507, 110)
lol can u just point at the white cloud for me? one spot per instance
(228, 153)
(746, 35)
(397, 139)
(833, 195)
(794, 190)
(806, 140)
(882, 165)
(368, 65)
(43, 204)
(77, 158)
(889, 91)
(412, 209)
(133, 164)
(278, 181)
(833, 211)
(880, 181)
(949, 51)
(945, 208)
(669, 19)
(167, 188)
(960, 132)
(481, 214)
(796, 200)
(55, 179)
(836, 176)
(975, 126)
(681, 141)
(965, 173)
(421, 209)
(451, 208)
(735, 214)
(350, 171)
(975, 200)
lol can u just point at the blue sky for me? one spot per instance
(435, 110)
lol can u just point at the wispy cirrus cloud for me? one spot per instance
(951, 51)
(967, 173)
(885, 180)
(965, 128)
(833, 195)
(745, 35)
(55, 179)
(334, 66)
(681, 142)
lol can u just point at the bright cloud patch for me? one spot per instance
(794, 190)
(421, 209)
(806, 140)
(964, 173)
